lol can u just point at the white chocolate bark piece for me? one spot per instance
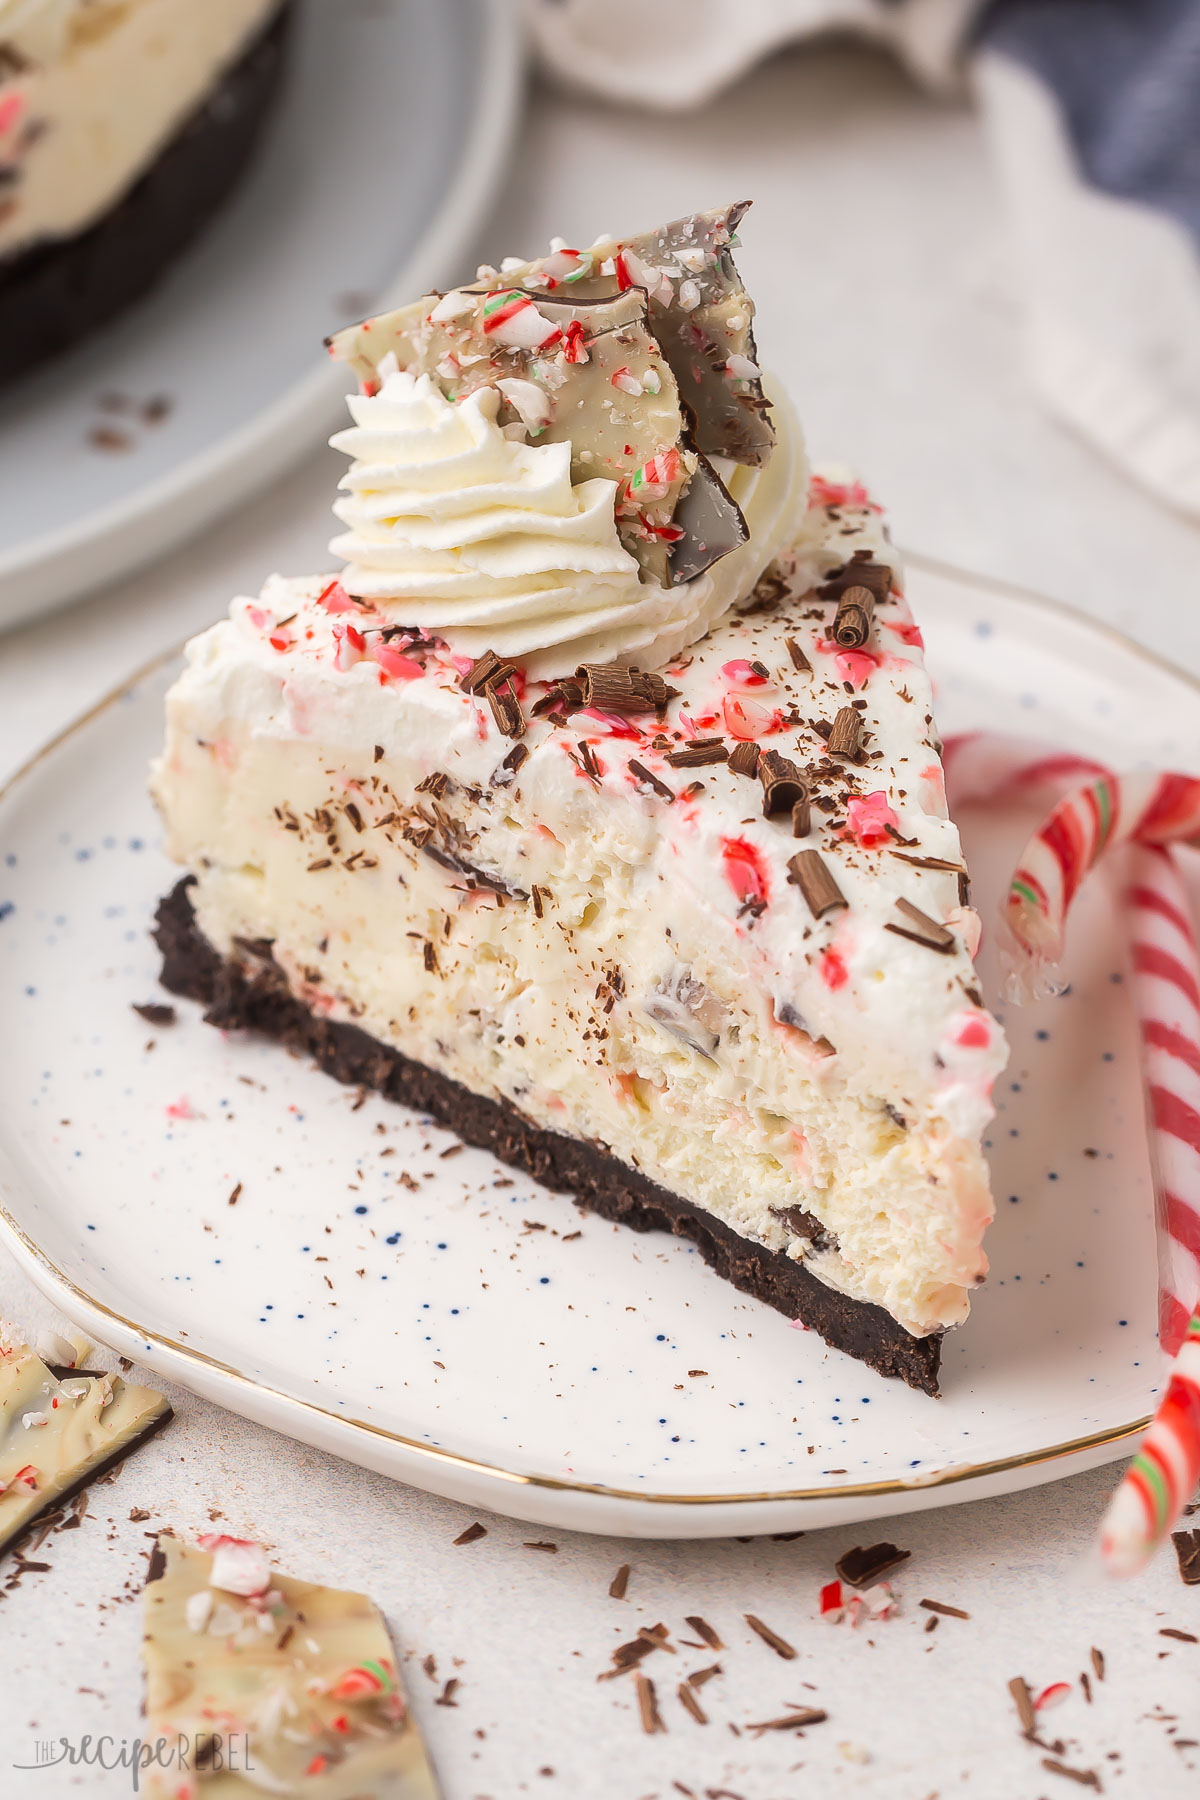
(56, 1435)
(277, 1686)
(613, 943)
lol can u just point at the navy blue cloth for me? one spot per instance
(1126, 74)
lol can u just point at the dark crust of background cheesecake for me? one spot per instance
(253, 995)
(54, 293)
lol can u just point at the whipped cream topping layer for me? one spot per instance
(97, 92)
(460, 527)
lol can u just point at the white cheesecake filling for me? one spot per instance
(455, 527)
(99, 89)
(819, 1085)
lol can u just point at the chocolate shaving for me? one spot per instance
(793, 1721)
(472, 1534)
(430, 955)
(568, 692)
(435, 783)
(921, 929)
(939, 862)
(486, 671)
(446, 1697)
(697, 754)
(155, 1013)
(700, 1626)
(743, 760)
(506, 709)
(648, 1706)
(506, 773)
(689, 1702)
(845, 737)
(588, 763)
(802, 816)
(861, 571)
(1187, 1549)
(550, 1549)
(1085, 1777)
(808, 871)
(1098, 1663)
(1183, 1637)
(779, 1645)
(862, 1568)
(947, 1612)
(852, 621)
(1018, 1687)
(620, 1582)
(698, 1677)
(610, 687)
(646, 778)
(799, 659)
(784, 785)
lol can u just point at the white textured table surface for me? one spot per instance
(877, 258)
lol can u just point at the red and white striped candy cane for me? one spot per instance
(1147, 812)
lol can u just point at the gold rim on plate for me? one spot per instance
(25, 1247)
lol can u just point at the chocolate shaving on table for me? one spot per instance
(610, 687)
(779, 1645)
(845, 736)
(155, 1013)
(619, 1583)
(947, 1612)
(809, 872)
(921, 929)
(506, 709)
(802, 816)
(852, 621)
(784, 785)
(648, 1706)
(1187, 1549)
(697, 754)
(1018, 1687)
(647, 778)
(862, 1568)
(486, 670)
(472, 1534)
(698, 1677)
(689, 1702)
(861, 571)
(799, 659)
(703, 1629)
(1085, 1777)
(506, 773)
(793, 1721)
(743, 759)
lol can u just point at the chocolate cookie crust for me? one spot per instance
(55, 293)
(253, 995)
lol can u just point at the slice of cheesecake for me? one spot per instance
(642, 880)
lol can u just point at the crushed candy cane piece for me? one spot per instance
(1054, 1695)
(239, 1566)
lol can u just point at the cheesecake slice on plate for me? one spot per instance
(596, 806)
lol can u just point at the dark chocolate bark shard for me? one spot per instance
(711, 521)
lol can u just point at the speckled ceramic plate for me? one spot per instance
(339, 1269)
(390, 139)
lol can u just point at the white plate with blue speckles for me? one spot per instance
(454, 1326)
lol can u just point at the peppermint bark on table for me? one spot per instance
(610, 965)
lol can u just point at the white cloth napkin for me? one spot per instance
(1110, 279)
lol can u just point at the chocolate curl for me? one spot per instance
(845, 739)
(861, 571)
(784, 786)
(610, 687)
(852, 623)
(810, 873)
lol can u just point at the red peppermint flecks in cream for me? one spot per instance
(869, 819)
(747, 721)
(745, 869)
(834, 972)
(394, 665)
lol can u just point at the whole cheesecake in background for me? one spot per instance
(596, 807)
(123, 126)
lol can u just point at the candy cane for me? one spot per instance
(1147, 812)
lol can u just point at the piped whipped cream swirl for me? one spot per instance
(463, 530)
